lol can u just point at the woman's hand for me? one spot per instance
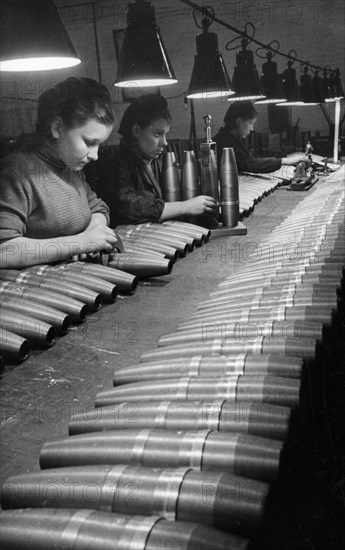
(98, 237)
(295, 158)
(191, 207)
(202, 204)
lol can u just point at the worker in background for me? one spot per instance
(48, 212)
(239, 121)
(128, 180)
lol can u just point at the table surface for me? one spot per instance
(39, 395)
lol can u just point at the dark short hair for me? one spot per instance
(243, 109)
(74, 100)
(143, 111)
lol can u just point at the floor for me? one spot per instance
(37, 397)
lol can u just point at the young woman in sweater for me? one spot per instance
(128, 179)
(48, 212)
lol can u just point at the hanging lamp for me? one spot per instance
(307, 91)
(33, 37)
(143, 58)
(339, 92)
(316, 83)
(292, 90)
(335, 89)
(271, 82)
(209, 77)
(245, 80)
(289, 83)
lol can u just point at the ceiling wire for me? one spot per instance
(206, 11)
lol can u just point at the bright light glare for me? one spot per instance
(209, 95)
(293, 103)
(247, 97)
(290, 103)
(145, 82)
(332, 99)
(38, 63)
(265, 101)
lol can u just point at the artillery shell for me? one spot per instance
(239, 454)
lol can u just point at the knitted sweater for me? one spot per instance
(42, 198)
(129, 187)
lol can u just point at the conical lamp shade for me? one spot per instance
(335, 89)
(339, 92)
(307, 90)
(290, 87)
(143, 58)
(33, 37)
(245, 80)
(327, 92)
(271, 83)
(209, 76)
(317, 88)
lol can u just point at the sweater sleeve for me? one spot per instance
(16, 201)
(248, 163)
(96, 204)
(129, 197)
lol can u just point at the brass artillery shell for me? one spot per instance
(209, 170)
(269, 389)
(77, 292)
(322, 314)
(276, 291)
(132, 248)
(166, 493)
(170, 181)
(47, 528)
(159, 234)
(212, 366)
(151, 243)
(35, 330)
(239, 454)
(162, 231)
(180, 245)
(281, 279)
(229, 195)
(201, 232)
(107, 290)
(237, 332)
(198, 238)
(141, 267)
(60, 321)
(299, 347)
(13, 347)
(190, 186)
(261, 274)
(123, 281)
(284, 300)
(75, 309)
(252, 418)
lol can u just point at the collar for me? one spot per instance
(228, 132)
(131, 148)
(46, 152)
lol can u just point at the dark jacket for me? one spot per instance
(246, 162)
(129, 187)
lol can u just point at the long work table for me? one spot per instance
(40, 395)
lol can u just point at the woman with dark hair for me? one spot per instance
(48, 211)
(239, 121)
(129, 180)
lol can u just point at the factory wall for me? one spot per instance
(315, 29)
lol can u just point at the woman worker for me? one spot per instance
(239, 121)
(47, 210)
(128, 180)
